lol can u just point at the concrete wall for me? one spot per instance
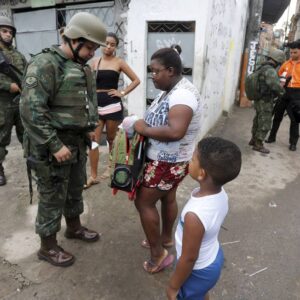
(219, 41)
(225, 33)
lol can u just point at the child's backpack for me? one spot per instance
(127, 162)
(252, 87)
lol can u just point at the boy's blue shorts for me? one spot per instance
(201, 281)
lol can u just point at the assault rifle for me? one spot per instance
(9, 70)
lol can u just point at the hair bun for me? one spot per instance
(176, 48)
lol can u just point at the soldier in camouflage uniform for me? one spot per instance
(270, 88)
(59, 112)
(9, 90)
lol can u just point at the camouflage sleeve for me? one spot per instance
(5, 82)
(38, 88)
(272, 81)
(24, 61)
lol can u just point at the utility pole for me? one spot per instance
(251, 46)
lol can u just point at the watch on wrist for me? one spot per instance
(122, 93)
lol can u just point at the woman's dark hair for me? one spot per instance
(61, 33)
(176, 48)
(168, 58)
(114, 36)
(220, 158)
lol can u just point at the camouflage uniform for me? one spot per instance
(58, 107)
(9, 103)
(270, 88)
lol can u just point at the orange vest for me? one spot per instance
(291, 68)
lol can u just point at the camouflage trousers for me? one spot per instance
(262, 121)
(60, 187)
(9, 117)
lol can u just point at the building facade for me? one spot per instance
(214, 46)
(211, 34)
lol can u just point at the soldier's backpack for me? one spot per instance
(252, 86)
(127, 162)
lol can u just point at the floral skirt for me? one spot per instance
(163, 175)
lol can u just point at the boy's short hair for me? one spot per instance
(220, 158)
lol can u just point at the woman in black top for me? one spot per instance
(110, 107)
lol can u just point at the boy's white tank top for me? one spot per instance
(211, 210)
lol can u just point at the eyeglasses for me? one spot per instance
(3, 30)
(156, 72)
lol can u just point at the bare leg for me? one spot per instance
(94, 154)
(206, 297)
(146, 205)
(169, 212)
(111, 131)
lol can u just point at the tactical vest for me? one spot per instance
(74, 104)
(263, 87)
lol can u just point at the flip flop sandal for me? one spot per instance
(145, 244)
(91, 181)
(152, 268)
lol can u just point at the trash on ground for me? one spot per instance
(272, 204)
(228, 243)
(264, 269)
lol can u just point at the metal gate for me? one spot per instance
(33, 33)
(39, 29)
(164, 34)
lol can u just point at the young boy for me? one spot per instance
(200, 257)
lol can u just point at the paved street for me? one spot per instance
(261, 237)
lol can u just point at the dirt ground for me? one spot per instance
(260, 238)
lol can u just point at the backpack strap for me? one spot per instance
(131, 151)
(119, 151)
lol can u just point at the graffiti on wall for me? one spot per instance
(119, 29)
(252, 57)
(5, 13)
(123, 3)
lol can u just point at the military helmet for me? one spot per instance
(277, 55)
(7, 22)
(88, 26)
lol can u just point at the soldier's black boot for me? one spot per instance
(259, 146)
(293, 147)
(54, 254)
(271, 139)
(2, 175)
(76, 231)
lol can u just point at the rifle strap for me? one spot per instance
(29, 175)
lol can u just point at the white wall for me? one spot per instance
(219, 40)
(225, 33)
(139, 13)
